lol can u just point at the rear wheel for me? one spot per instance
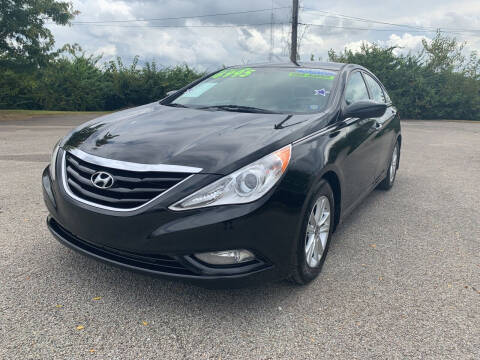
(314, 240)
(387, 183)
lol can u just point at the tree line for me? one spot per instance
(440, 81)
(79, 82)
(35, 75)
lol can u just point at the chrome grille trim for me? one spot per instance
(131, 166)
(106, 163)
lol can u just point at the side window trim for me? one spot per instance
(370, 94)
(348, 79)
(385, 93)
(380, 85)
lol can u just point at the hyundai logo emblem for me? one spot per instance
(102, 180)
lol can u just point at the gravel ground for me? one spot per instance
(402, 279)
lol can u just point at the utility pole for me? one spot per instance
(293, 49)
(271, 36)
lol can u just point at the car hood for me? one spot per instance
(216, 141)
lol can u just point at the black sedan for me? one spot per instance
(240, 177)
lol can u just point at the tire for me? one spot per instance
(306, 268)
(389, 180)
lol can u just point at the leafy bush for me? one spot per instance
(437, 83)
(75, 81)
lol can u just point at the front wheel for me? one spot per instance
(314, 240)
(387, 183)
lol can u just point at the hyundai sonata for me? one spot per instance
(239, 177)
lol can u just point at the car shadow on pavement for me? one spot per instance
(89, 275)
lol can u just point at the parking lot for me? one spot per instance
(402, 278)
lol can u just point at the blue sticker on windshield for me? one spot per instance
(320, 92)
(316, 72)
(198, 90)
(313, 74)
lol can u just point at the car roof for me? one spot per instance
(336, 66)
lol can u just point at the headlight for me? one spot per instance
(242, 186)
(53, 160)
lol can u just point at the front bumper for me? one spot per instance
(160, 242)
(162, 266)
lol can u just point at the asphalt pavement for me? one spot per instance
(402, 278)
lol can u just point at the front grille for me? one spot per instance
(130, 189)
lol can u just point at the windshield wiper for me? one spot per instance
(239, 108)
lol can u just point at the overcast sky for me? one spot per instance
(211, 47)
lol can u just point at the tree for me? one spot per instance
(443, 53)
(25, 41)
(472, 66)
(437, 83)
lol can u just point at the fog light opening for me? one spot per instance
(227, 257)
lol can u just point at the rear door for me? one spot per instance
(360, 160)
(385, 135)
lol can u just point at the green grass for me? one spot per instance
(27, 114)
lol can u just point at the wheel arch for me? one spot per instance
(399, 141)
(333, 180)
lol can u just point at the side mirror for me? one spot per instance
(171, 92)
(365, 109)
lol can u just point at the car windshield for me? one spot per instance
(261, 89)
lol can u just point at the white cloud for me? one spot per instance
(355, 46)
(312, 44)
(252, 41)
(108, 50)
(406, 42)
(114, 7)
(209, 48)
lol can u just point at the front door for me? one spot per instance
(360, 159)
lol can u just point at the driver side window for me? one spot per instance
(356, 89)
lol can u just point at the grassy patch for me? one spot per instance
(27, 114)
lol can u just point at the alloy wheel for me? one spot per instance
(393, 164)
(318, 230)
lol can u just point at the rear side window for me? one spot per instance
(375, 89)
(356, 89)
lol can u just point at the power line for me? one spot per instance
(182, 26)
(418, 27)
(391, 30)
(413, 28)
(271, 24)
(342, 16)
(180, 17)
